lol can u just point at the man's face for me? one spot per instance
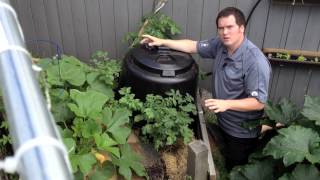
(229, 32)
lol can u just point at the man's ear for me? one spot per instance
(242, 29)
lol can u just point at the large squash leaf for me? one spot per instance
(294, 144)
(302, 172)
(106, 171)
(104, 142)
(258, 170)
(90, 127)
(54, 75)
(70, 144)
(115, 122)
(311, 109)
(83, 162)
(129, 160)
(59, 101)
(285, 112)
(101, 87)
(88, 104)
(73, 71)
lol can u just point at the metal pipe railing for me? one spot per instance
(28, 115)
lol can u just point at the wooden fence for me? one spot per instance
(84, 26)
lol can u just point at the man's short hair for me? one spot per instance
(237, 13)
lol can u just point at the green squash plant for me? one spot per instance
(94, 124)
(294, 151)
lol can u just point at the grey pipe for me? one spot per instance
(26, 109)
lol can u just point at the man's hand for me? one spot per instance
(184, 45)
(151, 40)
(216, 105)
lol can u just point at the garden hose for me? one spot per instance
(59, 51)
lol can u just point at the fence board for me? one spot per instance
(314, 85)
(108, 27)
(297, 28)
(67, 28)
(121, 24)
(310, 42)
(53, 22)
(94, 25)
(147, 7)
(135, 14)
(210, 11)
(167, 9)
(180, 15)
(274, 82)
(25, 18)
(41, 29)
(258, 23)
(300, 84)
(274, 26)
(245, 6)
(194, 19)
(80, 29)
(227, 3)
(284, 82)
(286, 25)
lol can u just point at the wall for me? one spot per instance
(84, 26)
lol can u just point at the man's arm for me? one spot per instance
(184, 45)
(246, 104)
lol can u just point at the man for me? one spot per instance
(241, 79)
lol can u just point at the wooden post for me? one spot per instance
(197, 166)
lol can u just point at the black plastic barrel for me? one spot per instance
(157, 70)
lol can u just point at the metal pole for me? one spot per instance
(27, 112)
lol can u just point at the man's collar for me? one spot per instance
(237, 54)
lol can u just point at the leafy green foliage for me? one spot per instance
(159, 25)
(88, 104)
(5, 139)
(106, 171)
(60, 99)
(294, 144)
(302, 171)
(301, 58)
(128, 99)
(285, 112)
(258, 170)
(311, 109)
(127, 162)
(283, 56)
(114, 120)
(167, 118)
(73, 71)
(91, 120)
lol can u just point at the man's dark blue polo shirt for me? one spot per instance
(244, 74)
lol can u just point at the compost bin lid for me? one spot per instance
(161, 60)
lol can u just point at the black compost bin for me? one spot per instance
(157, 70)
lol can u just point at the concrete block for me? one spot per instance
(197, 165)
